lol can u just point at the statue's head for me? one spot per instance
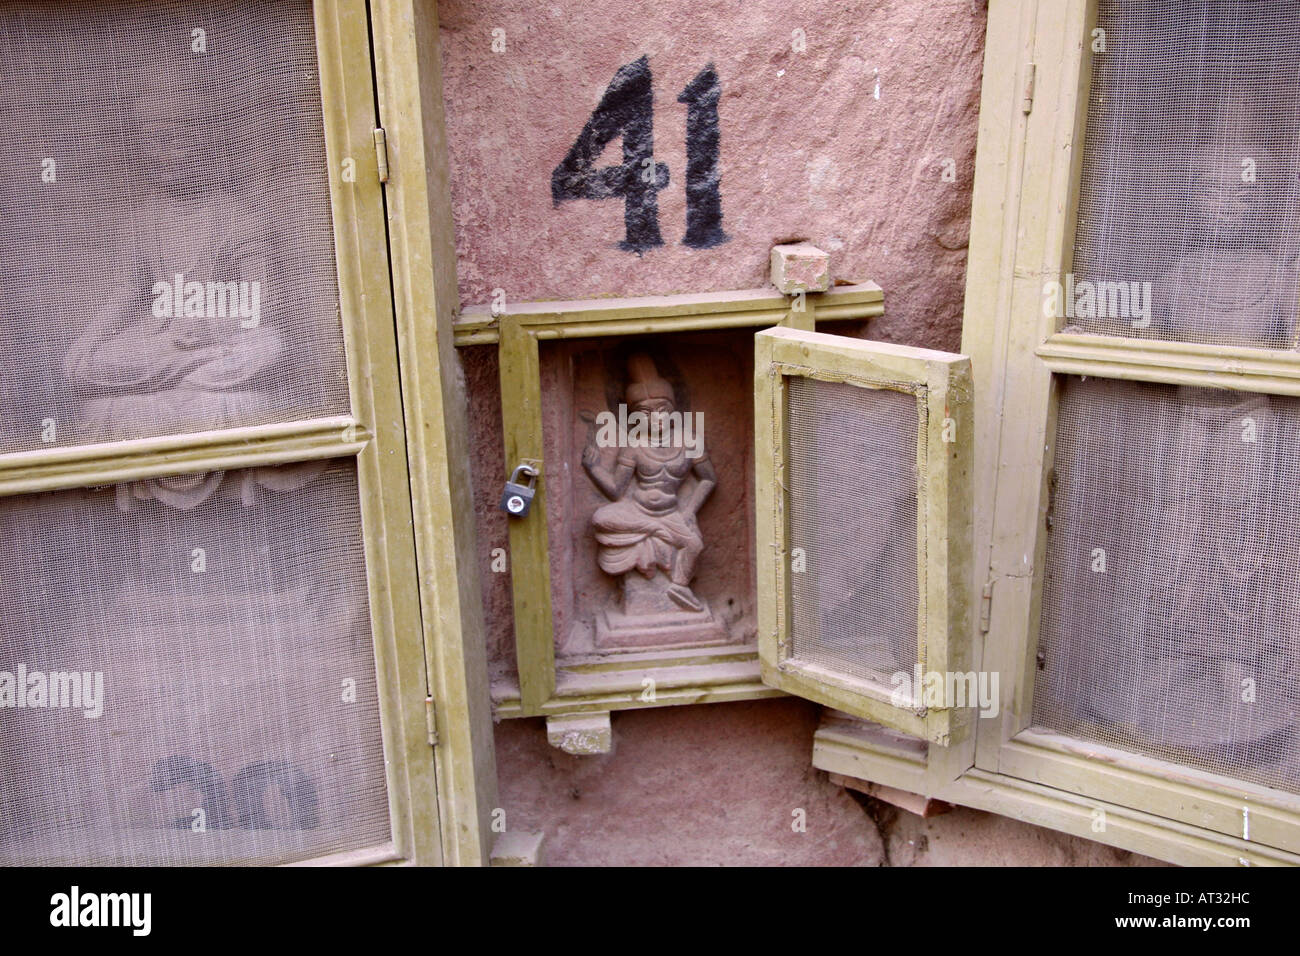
(1239, 171)
(1222, 200)
(184, 133)
(646, 391)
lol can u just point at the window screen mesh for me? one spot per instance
(1191, 174)
(852, 496)
(145, 142)
(1170, 623)
(227, 614)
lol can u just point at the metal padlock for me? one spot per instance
(518, 498)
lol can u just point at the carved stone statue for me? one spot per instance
(1208, 663)
(1235, 277)
(648, 535)
(180, 346)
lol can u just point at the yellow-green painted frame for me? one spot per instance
(1033, 112)
(615, 682)
(941, 385)
(373, 434)
(408, 71)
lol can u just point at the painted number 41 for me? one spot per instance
(627, 109)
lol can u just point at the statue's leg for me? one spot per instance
(684, 561)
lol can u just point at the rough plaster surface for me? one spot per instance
(718, 784)
(808, 151)
(845, 144)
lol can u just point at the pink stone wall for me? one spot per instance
(864, 144)
(718, 785)
(845, 144)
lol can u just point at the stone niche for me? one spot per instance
(630, 569)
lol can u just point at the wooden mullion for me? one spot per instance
(1271, 371)
(112, 462)
(530, 565)
(757, 308)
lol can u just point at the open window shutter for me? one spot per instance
(863, 458)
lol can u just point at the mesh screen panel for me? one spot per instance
(1183, 643)
(1191, 176)
(131, 160)
(228, 616)
(853, 511)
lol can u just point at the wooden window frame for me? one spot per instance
(1033, 117)
(690, 676)
(941, 386)
(372, 434)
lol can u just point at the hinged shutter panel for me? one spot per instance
(862, 453)
(207, 596)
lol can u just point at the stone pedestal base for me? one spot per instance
(650, 619)
(616, 630)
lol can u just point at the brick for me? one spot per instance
(580, 733)
(800, 266)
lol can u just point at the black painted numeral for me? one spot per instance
(703, 195)
(250, 786)
(627, 108)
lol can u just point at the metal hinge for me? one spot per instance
(986, 607)
(431, 718)
(1027, 105)
(381, 154)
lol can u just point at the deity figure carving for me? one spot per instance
(1235, 277)
(1218, 612)
(648, 535)
(180, 346)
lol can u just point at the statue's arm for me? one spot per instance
(613, 483)
(622, 477)
(706, 481)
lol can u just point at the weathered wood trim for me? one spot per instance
(986, 335)
(367, 315)
(592, 699)
(758, 308)
(616, 681)
(1123, 825)
(1174, 363)
(456, 805)
(1033, 232)
(530, 562)
(386, 855)
(1206, 800)
(643, 662)
(112, 462)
